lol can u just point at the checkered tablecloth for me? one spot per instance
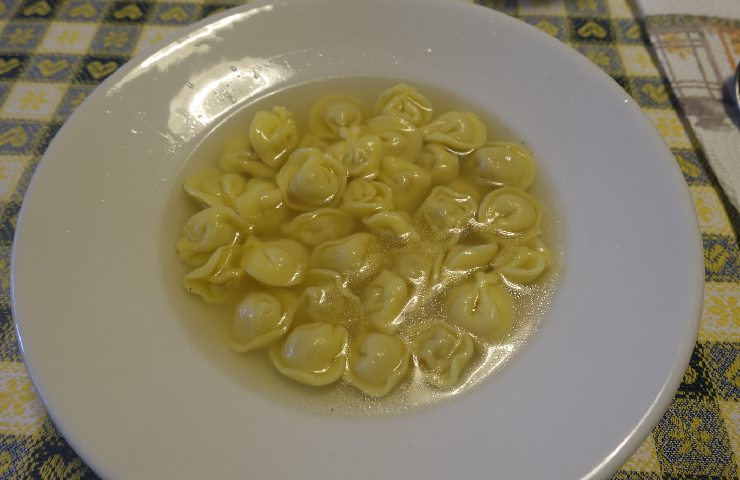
(53, 53)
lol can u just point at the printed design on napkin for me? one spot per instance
(651, 92)
(721, 317)
(590, 30)
(115, 39)
(712, 216)
(12, 65)
(96, 68)
(9, 350)
(628, 32)
(11, 169)
(43, 455)
(731, 415)
(669, 125)
(691, 439)
(696, 383)
(723, 366)
(152, 36)
(21, 411)
(129, 12)
(692, 164)
(553, 26)
(174, 14)
(605, 57)
(644, 462)
(214, 8)
(18, 137)
(721, 258)
(51, 68)
(4, 89)
(37, 9)
(32, 100)
(21, 37)
(638, 61)
(6, 8)
(68, 38)
(83, 11)
(73, 98)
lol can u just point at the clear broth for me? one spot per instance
(208, 324)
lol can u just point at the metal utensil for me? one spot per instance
(737, 85)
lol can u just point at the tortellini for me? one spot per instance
(207, 230)
(523, 263)
(312, 353)
(310, 140)
(331, 113)
(358, 151)
(365, 197)
(377, 362)
(312, 179)
(511, 214)
(415, 263)
(396, 226)
(384, 299)
(262, 205)
(387, 248)
(327, 296)
(482, 306)
(461, 132)
(237, 156)
(213, 188)
(313, 228)
(501, 164)
(444, 352)
(465, 187)
(399, 138)
(274, 135)
(261, 317)
(219, 280)
(280, 263)
(409, 182)
(462, 259)
(404, 101)
(443, 165)
(356, 256)
(446, 212)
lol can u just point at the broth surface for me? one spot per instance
(209, 324)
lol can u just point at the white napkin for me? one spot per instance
(696, 43)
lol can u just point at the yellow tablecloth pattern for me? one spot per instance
(54, 52)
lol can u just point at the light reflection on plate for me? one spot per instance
(137, 399)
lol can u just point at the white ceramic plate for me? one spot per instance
(138, 397)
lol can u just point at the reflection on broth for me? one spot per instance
(384, 245)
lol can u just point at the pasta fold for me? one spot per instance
(443, 353)
(313, 353)
(377, 362)
(261, 317)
